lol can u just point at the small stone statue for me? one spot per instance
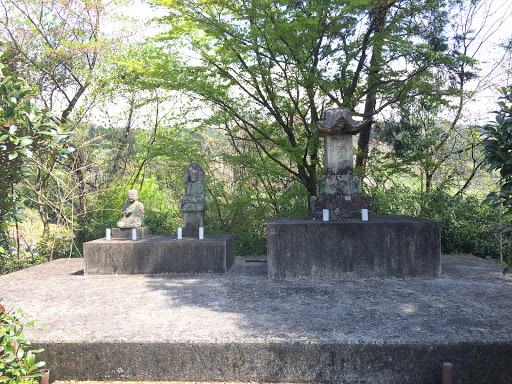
(133, 212)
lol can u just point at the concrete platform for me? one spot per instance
(241, 326)
(159, 254)
(384, 246)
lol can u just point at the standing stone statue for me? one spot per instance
(133, 212)
(193, 204)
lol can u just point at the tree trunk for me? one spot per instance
(379, 20)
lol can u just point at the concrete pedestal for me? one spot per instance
(384, 246)
(159, 255)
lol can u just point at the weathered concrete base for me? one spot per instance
(385, 246)
(159, 254)
(241, 326)
(126, 233)
(289, 362)
(340, 206)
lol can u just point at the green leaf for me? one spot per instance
(502, 231)
(36, 365)
(25, 151)
(67, 150)
(12, 129)
(25, 142)
(12, 155)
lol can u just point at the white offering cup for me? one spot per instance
(201, 233)
(325, 214)
(134, 233)
(109, 234)
(180, 233)
(364, 214)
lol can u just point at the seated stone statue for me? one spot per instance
(133, 212)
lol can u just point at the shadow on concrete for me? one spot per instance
(465, 304)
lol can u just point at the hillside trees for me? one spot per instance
(26, 130)
(268, 70)
(59, 47)
(438, 139)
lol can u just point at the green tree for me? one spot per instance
(498, 156)
(26, 130)
(269, 69)
(62, 48)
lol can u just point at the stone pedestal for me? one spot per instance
(159, 255)
(193, 217)
(126, 233)
(192, 221)
(340, 206)
(385, 246)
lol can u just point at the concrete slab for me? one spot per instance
(241, 326)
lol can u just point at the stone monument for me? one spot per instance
(132, 217)
(340, 191)
(193, 204)
(344, 246)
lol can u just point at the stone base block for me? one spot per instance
(126, 233)
(385, 246)
(340, 184)
(340, 206)
(159, 255)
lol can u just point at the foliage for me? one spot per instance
(26, 130)
(498, 156)
(17, 363)
(62, 48)
(268, 69)
(243, 206)
(428, 149)
(466, 226)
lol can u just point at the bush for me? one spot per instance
(466, 225)
(17, 365)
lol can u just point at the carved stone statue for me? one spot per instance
(193, 203)
(133, 212)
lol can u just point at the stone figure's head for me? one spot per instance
(133, 195)
(194, 172)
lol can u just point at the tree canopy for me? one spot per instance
(268, 69)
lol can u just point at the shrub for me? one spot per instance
(466, 225)
(17, 365)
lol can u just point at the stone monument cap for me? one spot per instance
(338, 122)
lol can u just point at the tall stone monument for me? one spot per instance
(340, 191)
(193, 204)
(345, 246)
